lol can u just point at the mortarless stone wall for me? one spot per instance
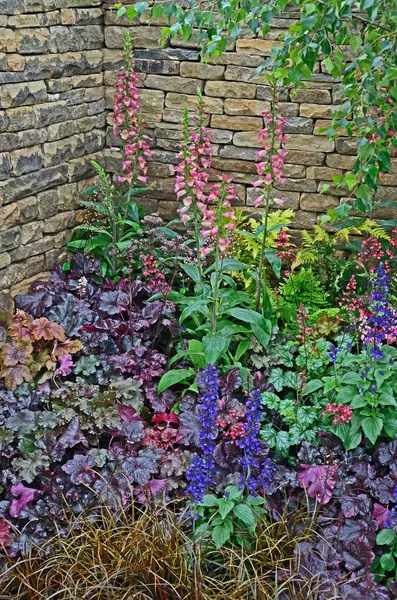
(57, 68)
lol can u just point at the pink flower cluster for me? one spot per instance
(342, 413)
(157, 281)
(270, 160)
(128, 123)
(302, 321)
(211, 213)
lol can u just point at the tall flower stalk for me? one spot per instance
(269, 165)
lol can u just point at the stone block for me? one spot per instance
(257, 46)
(9, 216)
(179, 101)
(68, 197)
(247, 138)
(6, 311)
(32, 41)
(76, 38)
(29, 137)
(32, 183)
(313, 143)
(62, 130)
(151, 101)
(318, 202)
(304, 219)
(32, 232)
(182, 85)
(49, 66)
(238, 152)
(11, 77)
(242, 106)
(19, 94)
(21, 118)
(27, 160)
(323, 173)
(178, 54)
(234, 165)
(336, 161)
(297, 185)
(229, 89)
(94, 140)
(386, 193)
(321, 127)
(94, 108)
(264, 93)
(141, 37)
(15, 62)
(28, 209)
(164, 67)
(317, 111)
(10, 238)
(389, 179)
(5, 166)
(237, 123)
(236, 58)
(202, 71)
(305, 158)
(299, 125)
(55, 256)
(176, 116)
(38, 20)
(3, 120)
(81, 168)
(310, 97)
(34, 248)
(5, 260)
(63, 150)
(48, 203)
(346, 146)
(8, 40)
(59, 222)
(243, 74)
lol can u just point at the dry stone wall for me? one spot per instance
(52, 120)
(57, 68)
(235, 95)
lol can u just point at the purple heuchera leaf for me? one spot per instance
(133, 430)
(69, 438)
(22, 496)
(5, 536)
(113, 302)
(381, 514)
(80, 469)
(150, 489)
(319, 480)
(65, 365)
(127, 413)
(139, 469)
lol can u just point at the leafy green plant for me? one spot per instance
(231, 518)
(385, 565)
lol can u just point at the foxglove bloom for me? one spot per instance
(202, 468)
(257, 472)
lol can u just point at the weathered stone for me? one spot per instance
(12, 274)
(165, 157)
(165, 67)
(63, 150)
(229, 89)
(9, 7)
(15, 62)
(305, 158)
(304, 219)
(9, 216)
(20, 187)
(178, 54)
(38, 20)
(28, 209)
(141, 37)
(151, 101)
(256, 46)
(94, 141)
(19, 94)
(311, 96)
(234, 165)
(27, 160)
(385, 193)
(318, 202)
(32, 231)
(68, 197)
(29, 137)
(179, 101)
(237, 123)
(6, 312)
(10, 238)
(11, 77)
(48, 203)
(291, 198)
(321, 127)
(94, 108)
(264, 93)
(8, 41)
(240, 153)
(346, 146)
(323, 173)
(74, 39)
(32, 41)
(314, 143)
(53, 112)
(48, 66)
(5, 166)
(235, 58)
(247, 138)
(317, 111)
(34, 248)
(202, 71)
(299, 125)
(59, 222)
(336, 161)
(24, 287)
(297, 185)
(5, 260)
(176, 116)
(21, 118)
(174, 84)
(243, 74)
(62, 130)
(389, 179)
(242, 106)
(81, 168)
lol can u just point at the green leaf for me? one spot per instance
(241, 349)
(173, 377)
(192, 271)
(352, 379)
(233, 492)
(387, 561)
(385, 537)
(231, 264)
(349, 436)
(225, 506)
(220, 535)
(214, 344)
(283, 443)
(210, 500)
(261, 335)
(246, 315)
(245, 514)
(195, 307)
(346, 394)
(372, 426)
(276, 377)
(312, 386)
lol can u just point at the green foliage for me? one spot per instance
(384, 565)
(303, 287)
(230, 519)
